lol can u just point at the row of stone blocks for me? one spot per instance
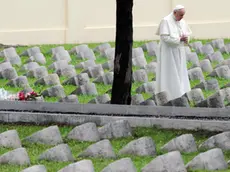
(107, 78)
(83, 52)
(222, 69)
(216, 100)
(212, 159)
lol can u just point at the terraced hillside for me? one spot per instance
(83, 73)
(112, 147)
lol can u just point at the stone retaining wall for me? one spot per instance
(212, 119)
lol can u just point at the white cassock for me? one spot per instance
(172, 74)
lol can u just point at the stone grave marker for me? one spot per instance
(36, 168)
(94, 71)
(101, 149)
(225, 92)
(31, 51)
(39, 58)
(121, 165)
(108, 53)
(214, 101)
(137, 52)
(81, 166)
(179, 102)
(69, 99)
(56, 49)
(151, 67)
(9, 73)
(79, 48)
(148, 102)
(137, 99)
(86, 89)
(148, 87)
(27, 90)
(206, 66)
(174, 163)
(20, 81)
(225, 62)
(10, 139)
(183, 143)
(38, 72)
(108, 65)
(29, 66)
(224, 49)
(54, 91)
(67, 71)
(85, 132)
(87, 54)
(143, 146)
(115, 129)
(151, 48)
(211, 84)
(196, 45)
(210, 160)
(62, 55)
(139, 61)
(102, 47)
(193, 58)
(106, 78)
(161, 98)
(49, 80)
(20, 157)
(79, 79)
(101, 99)
(43, 136)
(221, 72)
(58, 65)
(9, 52)
(207, 49)
(195, 95)
(215, 57)
(217, 43)
(14, 60)
(196, 74)
(5, 65)
(59, 153)
(85, 64)
(140, 76)
(227, 46)
(220, 140)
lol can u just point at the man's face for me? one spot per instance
(179, 14)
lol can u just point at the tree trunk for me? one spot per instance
(122, 83)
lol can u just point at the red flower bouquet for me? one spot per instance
(28, 96)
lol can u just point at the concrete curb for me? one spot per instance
(41, 113)
(77, 119)
(117, 110)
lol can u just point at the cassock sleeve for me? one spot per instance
(165, 34)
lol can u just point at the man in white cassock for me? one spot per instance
(172, 74)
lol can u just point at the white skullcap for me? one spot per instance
(178, 7)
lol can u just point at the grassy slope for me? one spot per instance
(100, 60)
(159, 136)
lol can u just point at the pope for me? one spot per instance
(171, 73)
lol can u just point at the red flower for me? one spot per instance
(33, 94)
(28, 96)
(21, 96)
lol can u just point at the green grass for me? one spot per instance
(160, 137)
(102, 89)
